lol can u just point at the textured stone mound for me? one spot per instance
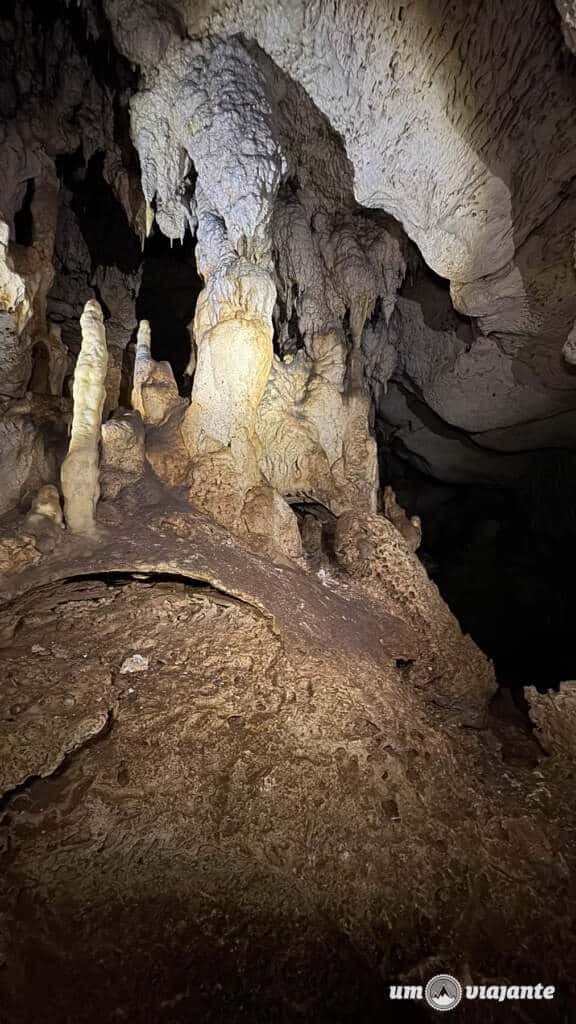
(283, 813)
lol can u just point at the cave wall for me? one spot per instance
(62, 88)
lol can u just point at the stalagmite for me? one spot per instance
(233, 329)
(154, 391)
(142, 363)
(79, 475)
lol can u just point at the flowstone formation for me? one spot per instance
(436, 106)
(262, 425)
(433, 126)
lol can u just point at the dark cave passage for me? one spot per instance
(158, 282)
(496, 539)
(100, 216)
(503, 560)
(97, 254)
(168, 293)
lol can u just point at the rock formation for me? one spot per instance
(154, 391)
(46, 505)
(288, 306)
(123, 457)
(409, 527)
(80, 469)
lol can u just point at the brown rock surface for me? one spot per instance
(280, 814)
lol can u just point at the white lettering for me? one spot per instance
(499, 993)
(406, 992)
(413, 991)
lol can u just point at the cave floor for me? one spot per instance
(245, 829)
(123, 899)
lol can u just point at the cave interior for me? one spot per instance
(288, 507)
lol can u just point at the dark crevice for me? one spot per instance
(119, 578)
(23, 219)
(509, 720)
(294, 333)
(40, 379)
(24, 789)
(92, 586)
(377, 313)
(110, 69)
(101, 217)
(73, 588)
(293, 337)
(103, 305)
(278, 318)
(431, 293)
(347, 330)
(317, 526)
